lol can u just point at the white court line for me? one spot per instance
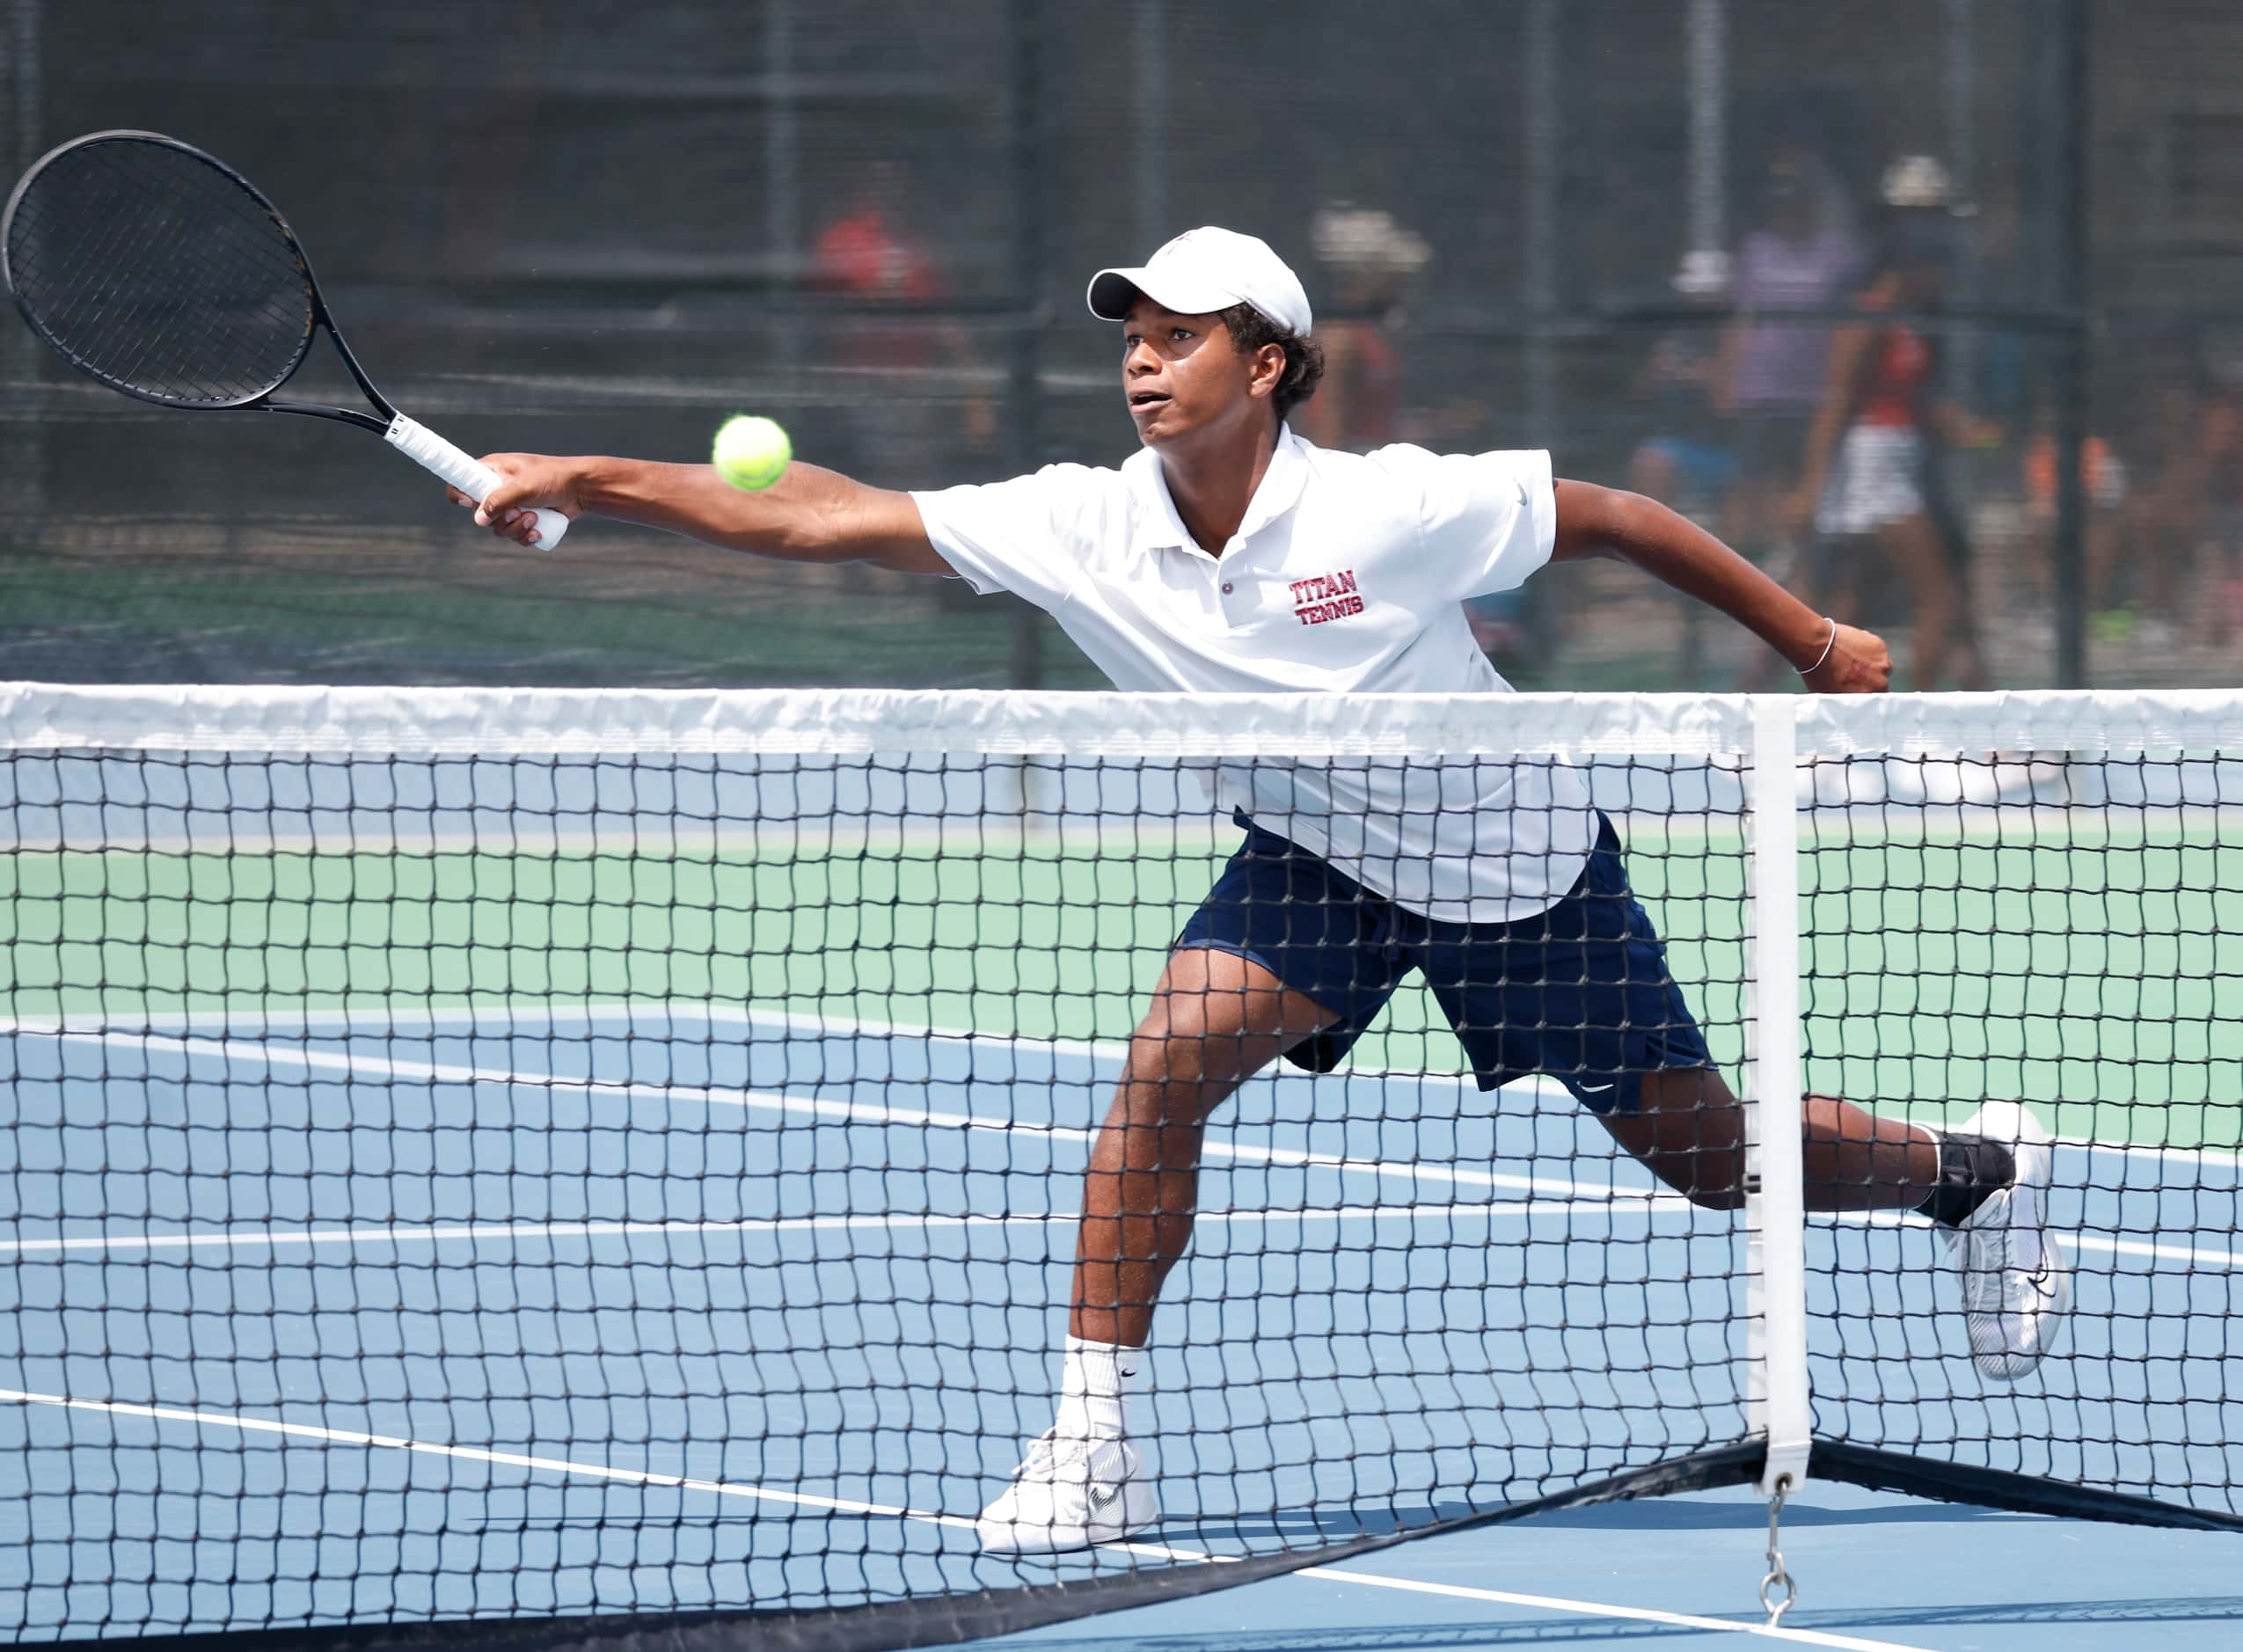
(840, 1505)
(849, 1112)
(1541, 1088)
(380, 1018)
(887, 1222)
(375, 1019)
(2219, 1156)
(392, 1234)
(2196, 1257)
(2078, 1239)
(473, 1454)
(854, 1112)
(1600, 1608)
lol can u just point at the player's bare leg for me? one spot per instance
(1985, 1184)
(1688, 1128)
(1215, 1020)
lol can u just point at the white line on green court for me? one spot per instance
(841, 1505)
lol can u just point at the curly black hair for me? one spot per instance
(1250, 330)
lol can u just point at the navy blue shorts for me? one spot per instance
(1579, 992)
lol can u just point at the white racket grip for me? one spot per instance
(418, 443)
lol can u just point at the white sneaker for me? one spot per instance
(1070, 1493)
(2016, 1282)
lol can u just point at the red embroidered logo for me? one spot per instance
(1325, 596)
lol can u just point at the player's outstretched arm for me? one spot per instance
(809, 514)
(1607, 522)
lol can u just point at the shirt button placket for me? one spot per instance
(1230, 601)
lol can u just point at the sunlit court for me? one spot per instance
(1236, 827)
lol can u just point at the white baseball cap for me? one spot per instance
(1205, 270)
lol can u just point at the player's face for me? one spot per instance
(1179, 375)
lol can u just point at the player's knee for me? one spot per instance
(1153, 1095)
(1181, 1042)
(1166, 1081)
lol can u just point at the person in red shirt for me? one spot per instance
(868, 255)
(1871, 469)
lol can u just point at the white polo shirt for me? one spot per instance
(1345, 577)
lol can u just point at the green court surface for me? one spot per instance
(2080, 969)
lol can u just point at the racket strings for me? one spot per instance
(166, 346)
(160, 274)
(248, 232)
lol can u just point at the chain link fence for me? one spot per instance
(1918, 301)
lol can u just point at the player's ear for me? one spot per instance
(1266, 371)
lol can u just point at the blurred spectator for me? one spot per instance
(1685, 462)
(2219, 562)
(1998, 380)
(1806, 256)
(1871, 477)
(2103, 488)
(2185, 513)
(1688, 459)
(1371, 259)
(866, 254)
(869, 254)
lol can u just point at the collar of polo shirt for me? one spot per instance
(1160, 528)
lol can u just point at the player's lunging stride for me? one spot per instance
(1229, 554)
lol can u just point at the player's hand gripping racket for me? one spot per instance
(163, 273)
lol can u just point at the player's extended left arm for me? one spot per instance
(1607, 522)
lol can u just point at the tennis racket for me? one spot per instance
(162, 272)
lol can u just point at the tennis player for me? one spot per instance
(1232, 555)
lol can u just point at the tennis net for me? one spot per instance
(529, 1162)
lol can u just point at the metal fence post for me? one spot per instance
(1023, 389)
(23, 435)
(2073, 254)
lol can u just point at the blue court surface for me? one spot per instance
(1874, 1572)
(549, 1309)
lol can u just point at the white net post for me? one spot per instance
(1775, 1206)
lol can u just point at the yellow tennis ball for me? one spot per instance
(751, 453)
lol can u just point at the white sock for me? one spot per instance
(1095, 1388)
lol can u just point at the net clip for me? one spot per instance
(1777, 1582)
